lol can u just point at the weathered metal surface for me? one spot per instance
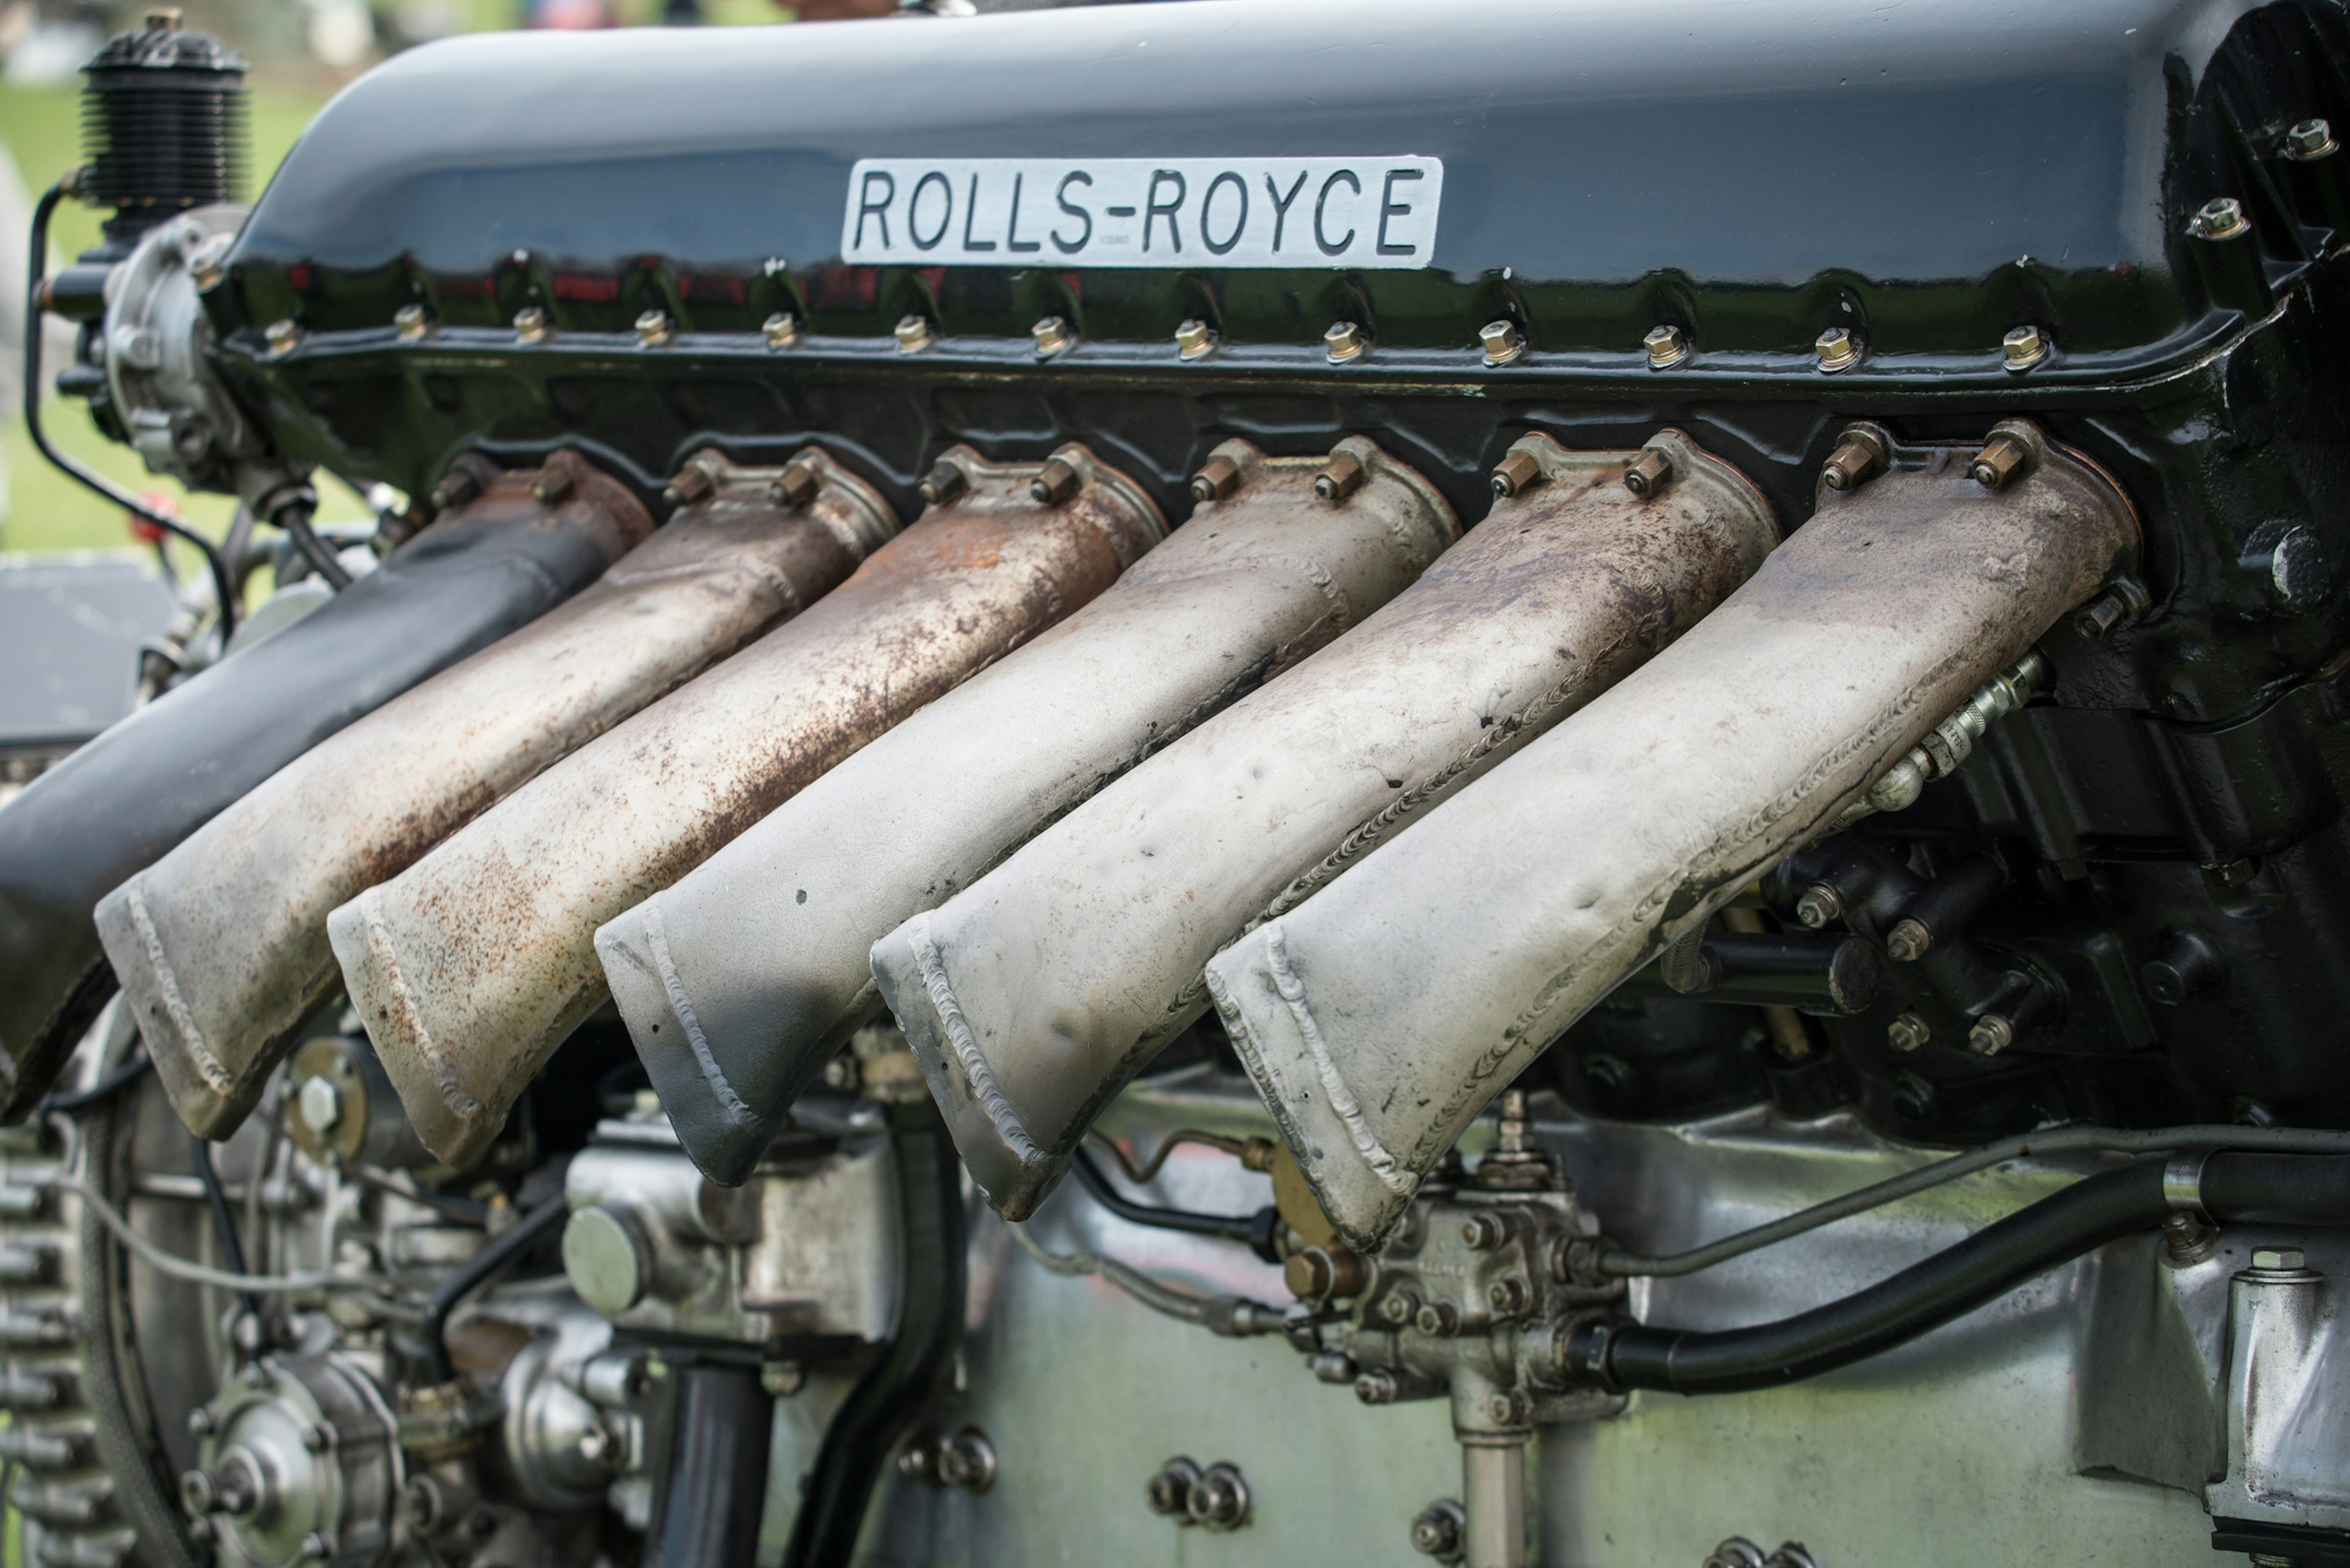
(219, 1000)
(470, 968)
(129, 796)
(1032, 997)
(1380, 1017)
(739, 982)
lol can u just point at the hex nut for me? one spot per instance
(284, 335)
(1053, 337)
(1217, 479)
(655, 328)
(1399, 1308)
(1837, 348)
(1736, 1552)
(1516, 473)
(1437, 1528)
(1484, 1233)
(1908, 941)
(2221, 218)
(2024, 347)
(1999, 460)
(1991, 1035)
(943, 483)
(1501, 342)
(1508, 1296)
(968, 1460)
(1168, 1492)
(1861, 451)
(1340, 478)
(320, 1105)
(1220, 1500)
(2309, 140)
(552, 485)
(1507, 1407)
(1908, 1032)
(794, 487)
(913, 333)
(1194, 338)
(1055, 482)
(1378, 1387)
(413, 322)
(1667, 345)
(1647, 474)
(1820, 906)
(1438, 1320)
(2279, 1260)
(782, 330)
(530, 325)
(1345, 341)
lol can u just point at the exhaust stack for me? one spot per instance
(219, 1000)
(1381, 1016)
(1036, 995)
(471, 967)
(741, 981)
(122, 802)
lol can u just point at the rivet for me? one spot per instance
(654, 329)
(1194, 338)
(2024, 348)
(1345, 341)
(1053, 337)
(1647, 474)
(530, 325)
(2221, 218)
(794, 487)
(783, 330)
(1342, 478)
(942, 483)
(1839, 348)
(914, 333)
(413, 322)
(1516, 473)
(1998, 461)
(1908, 1032)
(283, 335)
(1502, 340)
(1218, 478)
(1668, 346)
(1055, 484)
(2309, 140)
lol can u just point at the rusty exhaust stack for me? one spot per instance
(484, 568)
(219, 1000)
(739, 982)
(1379, 1017)
(471, 967)
(1039, 993)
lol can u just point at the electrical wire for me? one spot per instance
(223, 1226)
(1257, 1231)
(37, 272)
(1230, 1315)
(1617, 1264)
(432, 1329)
(1139, 1174)
(181, 1268)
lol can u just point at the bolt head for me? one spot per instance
(1345, 341)
(1502, 341)
(1194, 338)
(782, 330)
(1908, 1032)
(2024, 348)
(1838, 348)
(283, 335)
(2221, 218)
(1668, 346)
(2279, 1260)
(654, 328)
(2310, 139)
(530, 325)
(1053, 336)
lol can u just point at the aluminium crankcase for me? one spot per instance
(1038, 994)
(738, 982)
(471, 967)
(121, 803)
(1379, 1017)
(220, 999)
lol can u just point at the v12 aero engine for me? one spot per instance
(1365, 782)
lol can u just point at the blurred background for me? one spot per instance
(302, 52)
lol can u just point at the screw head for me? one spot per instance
(413, 322)
(2024, 348)
(1908, 1032)
(655, 328)
(1502, 341)
(782, 330)
(1194, 338)
(1053, 337)
(913, 333)
(284, 335)
(1345, 341)
(1838, 348)
(530, 325)
(2311, 138)
(2279, 1260)
(1668, 346)
(2221, 218)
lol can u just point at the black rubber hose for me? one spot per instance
(294, 516)
(1257, 1231)
(432, 1367)
(74, 1102)
(224, 1223)
(716, 1484)
(2302, 1189)
(36, 273)
(921, 1349)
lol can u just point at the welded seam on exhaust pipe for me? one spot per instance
(975, 1070)
(656, 939)
(1348, 1109)
(387, 962)
(175, 1006)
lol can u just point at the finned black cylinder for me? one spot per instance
(163, 125)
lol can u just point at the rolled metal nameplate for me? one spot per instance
(739, 982)
(220, 997)
(1379, 1018)
(471, 966)
(122, 802)
(1037, 994)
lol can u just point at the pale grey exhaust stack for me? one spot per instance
(1037, 994)
(738, 982)
(1381, 1016)
(221, 945)
(471, 967)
